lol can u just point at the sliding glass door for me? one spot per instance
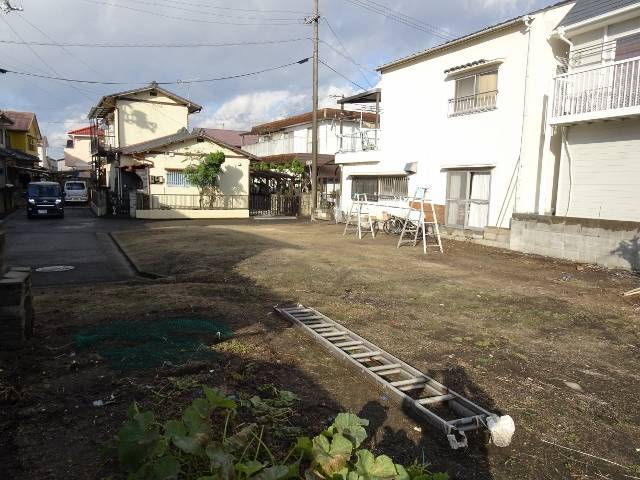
(468, 198)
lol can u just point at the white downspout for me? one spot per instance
(527, 21)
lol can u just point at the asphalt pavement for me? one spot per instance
(80, 240)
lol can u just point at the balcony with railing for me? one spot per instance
(479, 102)
(364, 140)
(605, 91)
(266, 148)
(103, 138)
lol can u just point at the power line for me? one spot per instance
(425, 28)
(342, 75)
(179, 82)
(196, 20)
(44, 62)
(152, 45)
(408, 17)
(200, 12)
(45, 34)
(346, 52)
(251, 10)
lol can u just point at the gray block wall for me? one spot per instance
(608, 243)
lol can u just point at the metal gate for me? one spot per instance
(274, 205)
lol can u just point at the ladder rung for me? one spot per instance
(321, 325)
(436, 399)
(348, 344)
(411, 381)
(311, 317)
(417, 386)
(333, 334)
(366, 354)
(464, 421)
(355, 347)
(380, 368)
(384, 373)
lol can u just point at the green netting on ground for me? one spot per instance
(133, 345)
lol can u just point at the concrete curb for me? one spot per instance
(132, 264)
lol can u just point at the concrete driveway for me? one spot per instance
(79, 240)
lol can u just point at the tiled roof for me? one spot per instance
(231, 137)
(21, 120)
(84, 131)
(586, 9)
(180, 136)
(323, 114)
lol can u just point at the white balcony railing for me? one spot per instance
(360, 141)
(480, 102)
(604, 91)
(279, 146)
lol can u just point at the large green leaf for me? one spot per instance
(197, 417)
(166, 468)
(217, 399)
(193, 444)
(137, 441)
(351, 426)
(370, 467)
(331, 456)
(250, 467)
(175, 428)
(221, 461)
(278, 472)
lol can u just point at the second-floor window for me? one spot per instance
(31, 142)
(177, 178)
(70, 143)
(475, 93)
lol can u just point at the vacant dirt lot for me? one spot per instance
(552, 344)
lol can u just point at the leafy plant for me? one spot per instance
(205, 444)
(205, 176)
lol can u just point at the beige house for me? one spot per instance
(77, 153)
(141, 144)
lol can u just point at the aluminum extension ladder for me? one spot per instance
(360, 210)
(403, 381)
(415, 223)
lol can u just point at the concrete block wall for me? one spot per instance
(608, 243)
(16, 307)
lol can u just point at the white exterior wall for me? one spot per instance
(234, 177)
(79, 156)
(599, 170)
(416, 127)
(148, 117)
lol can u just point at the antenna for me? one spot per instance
(6, 7)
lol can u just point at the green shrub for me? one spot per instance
(205, 444)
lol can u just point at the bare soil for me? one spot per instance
(553, 344)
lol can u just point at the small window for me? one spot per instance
(468, 199)
(70, 143)
(153, 93)
(177, 178)
(31, 143)
(475, 93)
(380, 188)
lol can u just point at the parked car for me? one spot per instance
(45, 199)
(76, 192)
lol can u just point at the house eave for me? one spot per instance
(620, 15)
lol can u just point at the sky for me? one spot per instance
(356, 37)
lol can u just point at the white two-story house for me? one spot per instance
(589, 196)
(141, 143)
(281, 141)
(466, 119)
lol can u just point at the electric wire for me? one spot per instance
(342, 75)
(185, 19)
(425, 28)
(152, 45)
(177, 82)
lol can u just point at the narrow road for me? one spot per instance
(80, 240)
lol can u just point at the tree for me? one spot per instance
(205, 177)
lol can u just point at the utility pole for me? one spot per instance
(314, 133)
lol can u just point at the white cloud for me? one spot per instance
(246, 110)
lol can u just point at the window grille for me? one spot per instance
(177, 178)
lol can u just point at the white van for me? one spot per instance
(75, 191)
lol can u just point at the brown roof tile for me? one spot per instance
(307, 117)
(21, 120)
